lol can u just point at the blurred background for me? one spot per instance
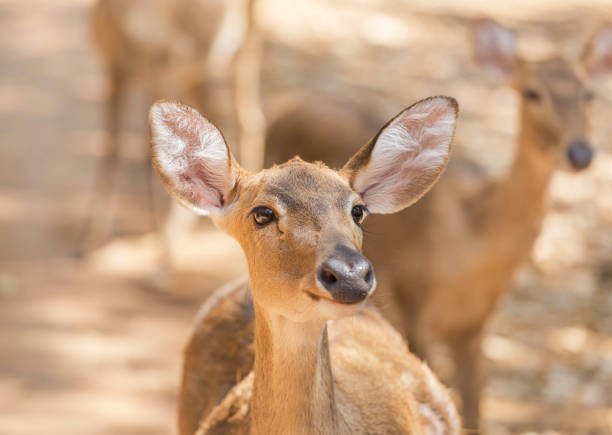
(91, 344)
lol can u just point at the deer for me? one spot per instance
(445, 262)
(198, 50)
(324, 360)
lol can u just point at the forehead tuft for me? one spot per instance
(307, 177)
(298, 184)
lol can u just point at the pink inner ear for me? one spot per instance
(198, 179)
(412, 148)
(191, 153)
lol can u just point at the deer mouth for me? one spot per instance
(331, 309)
(312, 296)
(321, 298)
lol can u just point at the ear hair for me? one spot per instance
(406, 157)
(190, 156)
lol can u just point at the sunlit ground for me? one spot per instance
(94, 345)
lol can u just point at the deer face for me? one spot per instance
(555, 105)
(555, 93)
(299, 224)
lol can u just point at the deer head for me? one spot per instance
(555, 93)
(299, 223)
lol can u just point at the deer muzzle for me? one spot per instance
(346, 275)
(579, 154)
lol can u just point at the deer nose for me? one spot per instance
(580, 154)
(347, 275)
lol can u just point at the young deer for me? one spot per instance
(199, 50)
(448, 259)
(324, 362)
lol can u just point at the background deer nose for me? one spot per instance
(347, 275)
(580, 154)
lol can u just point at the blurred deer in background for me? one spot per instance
(446, 261)
(189, 49)
(324, 363)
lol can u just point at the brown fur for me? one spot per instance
(228, 314)
(312, 374)
(350, 343)
(232, 416)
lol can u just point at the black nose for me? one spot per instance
(580, 154)
(347, 275)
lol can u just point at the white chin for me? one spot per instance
(333, 310)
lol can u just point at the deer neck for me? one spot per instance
(519, 202)
(293, 388)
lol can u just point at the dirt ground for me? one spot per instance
(93, 345)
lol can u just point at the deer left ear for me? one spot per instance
(598, 54)
(191, 157)
(406, 157)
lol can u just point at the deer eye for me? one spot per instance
(358, 212)
(531, 95)
(263, 215)
(588, 96)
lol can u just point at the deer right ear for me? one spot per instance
(495, 49)
(406, 157)
(191, 157)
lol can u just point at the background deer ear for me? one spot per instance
(598, 53)
(495, 49)
(191, 157)
(406, 157)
